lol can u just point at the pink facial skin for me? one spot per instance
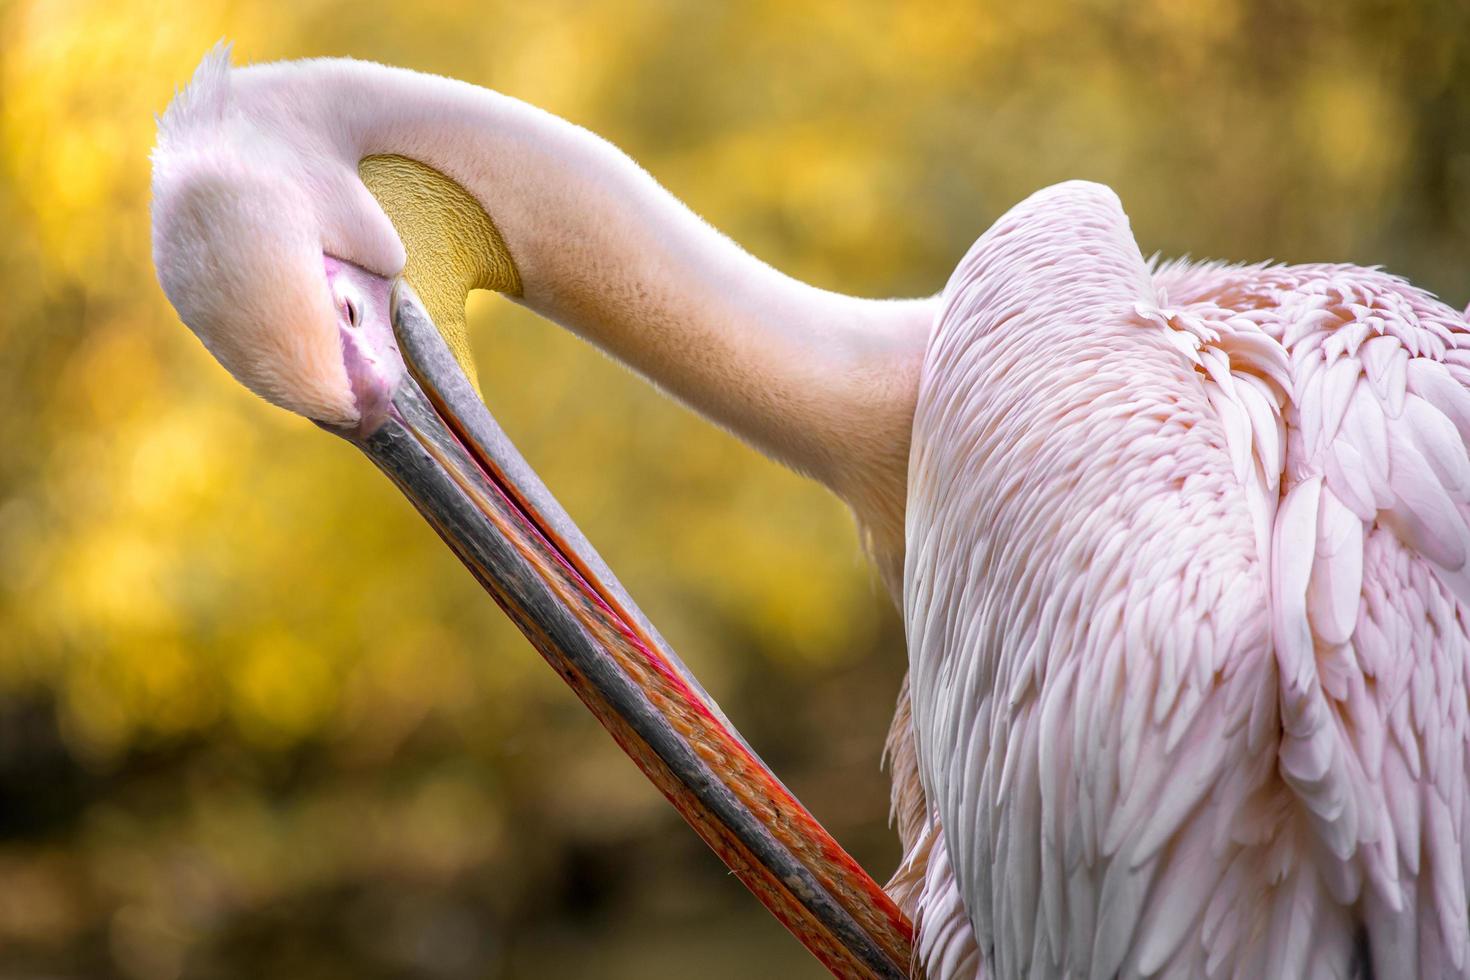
(369, 351)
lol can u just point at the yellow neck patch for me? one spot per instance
(452, 244)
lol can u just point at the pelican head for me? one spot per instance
(328, 273)
(276, 256)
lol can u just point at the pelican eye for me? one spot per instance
(353, 317)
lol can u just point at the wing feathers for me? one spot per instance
(1186, 592)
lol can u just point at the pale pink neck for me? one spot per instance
(823, 382)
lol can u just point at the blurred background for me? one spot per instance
(238, 739)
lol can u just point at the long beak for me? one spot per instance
(448, 456)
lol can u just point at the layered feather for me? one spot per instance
(1185, 590)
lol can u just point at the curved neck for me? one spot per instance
(822, 382)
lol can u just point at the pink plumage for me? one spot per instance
(1185, 586)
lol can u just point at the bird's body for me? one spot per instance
(1185, 595)
(1181, 551)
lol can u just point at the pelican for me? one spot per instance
(1181, 548)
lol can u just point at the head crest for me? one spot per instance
(205, 100)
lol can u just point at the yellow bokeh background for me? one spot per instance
(255, 720)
